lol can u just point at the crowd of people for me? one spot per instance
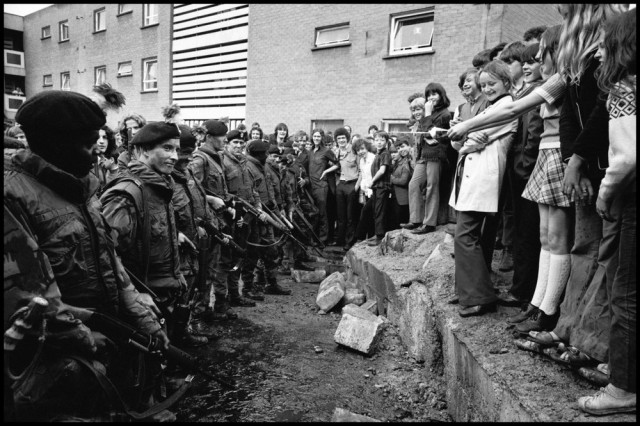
(155, 224)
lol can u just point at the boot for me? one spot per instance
(538, 321)
(238, 300)
(274, 288)
(221, 310)
(200, 328)
(523, 315)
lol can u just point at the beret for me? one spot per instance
(187, 140)
(216, 127)
(155, 132)
(341, 131)
(257, 146)
(61, 110)
(273, 149)
(234, 134)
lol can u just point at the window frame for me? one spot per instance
(60, 24)
(42, 36)
(102, 10)
(144, 71)
(95, 74)
(124, 12)
(319, 30)
(145, 17)
(396, 19)
(44, 80)
(13, 52)
(62, 74)
(386, 123)
(130, 73)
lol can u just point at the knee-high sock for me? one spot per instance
(543, 277)
(559, 269)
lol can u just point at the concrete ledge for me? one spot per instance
(488, 378)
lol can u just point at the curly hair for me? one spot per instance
(111, 142)
(534, 33)
(580, 33)
(620, 53)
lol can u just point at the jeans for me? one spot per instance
(346, 198)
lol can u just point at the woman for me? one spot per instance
(365, 226)
(478, 180)
(431, 154)
(346, 195)
(322, 164)
(106, 168)
(616, 204)
(256, 134)
(280, 136)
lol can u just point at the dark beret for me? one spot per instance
(257, 146)
(187, 140)
(273, 149)
(341, 131)
(60, 111)
(155, 132)
(234, 134)
(216, 127)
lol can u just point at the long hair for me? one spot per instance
(110, 151)
(620, 52)
(437, 88)
(549, 45)
(580, 34)
(281, 126)
(318, 130)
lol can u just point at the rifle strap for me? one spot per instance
(112, 393)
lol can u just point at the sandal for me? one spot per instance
(572, 356)
(544, 338)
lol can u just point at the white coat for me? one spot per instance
(484, 170)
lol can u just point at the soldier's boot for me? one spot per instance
(181, 336)
(272, 285)
(235, 295)
(248, 287)
(221, 310)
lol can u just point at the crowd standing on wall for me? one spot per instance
(125, 248)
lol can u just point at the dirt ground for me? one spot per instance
(269, 353)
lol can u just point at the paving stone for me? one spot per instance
(361, 334)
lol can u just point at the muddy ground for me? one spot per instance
(269, 353)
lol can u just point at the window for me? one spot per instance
(64, 30)
(411, 33)
(326, 125)
(100, 74)
(14, 58)
(47, 80)
(125, 68)
(333, 35)
(46, 32)
(124, 8)
(65, 81)
(149, 14)
(99, 20)
(395, 125)
(14, 102)
(149, 74)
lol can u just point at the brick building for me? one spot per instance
(329, 64)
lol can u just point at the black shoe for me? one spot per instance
(241, 302)
(409, 225)
(469, 311)
(424, 229)
(538, 321)
(300, 266)
(277, 290)
(506, 262)
(523, 315)
(254, 294)
(508, 299)
(200, 328)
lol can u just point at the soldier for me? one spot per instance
(57, 246)
(208, 169)
(240, 185)
(261, 233)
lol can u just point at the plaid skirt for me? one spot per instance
(545, 183)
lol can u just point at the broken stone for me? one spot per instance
(358, 311)
(331, 291)
(337, 278)
(361, 334)
(341, 415)
(314, 276)
(322, 312)
(354, 296)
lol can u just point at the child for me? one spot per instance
(365, 225)
(400, 177)
(478, 180)
(381, 184)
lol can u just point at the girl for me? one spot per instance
(280, 136)
(430, 154)
(106, 168)
(322, 162)
(478, 180)
(400, 177)
(381, 185)
(256, 134)
(616, 204)
(365, 225)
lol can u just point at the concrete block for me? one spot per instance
(353, 296)
(329, 297)
(361, 334)
(315, 276)
(341, 415)
(337, 278)
(358, 311)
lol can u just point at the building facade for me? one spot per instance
(331, 64)
(14, 66)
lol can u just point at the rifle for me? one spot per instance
(284, 228)
(217, 235)
(182, 310)
(248, 208)
(304, 220)
(120, 331)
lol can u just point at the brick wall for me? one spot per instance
(288, 82)
(123, 40)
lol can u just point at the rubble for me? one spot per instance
(353, 296)
(314, 276)
(358, 330)
(341, 415)
(331, 291)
